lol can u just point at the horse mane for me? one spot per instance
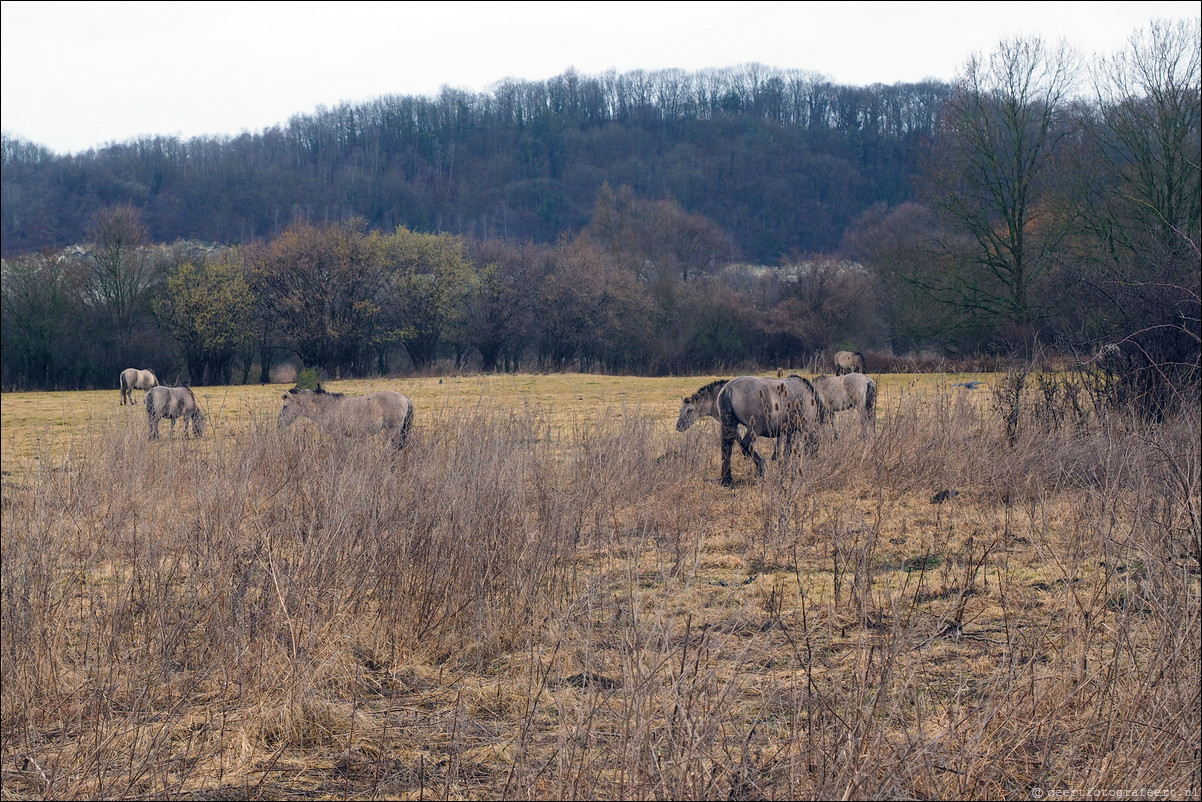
(817, 396)
(711, 387)
(318, 391)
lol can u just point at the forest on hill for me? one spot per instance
(782, 161)
(645, 222)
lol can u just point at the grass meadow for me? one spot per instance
(548, 595)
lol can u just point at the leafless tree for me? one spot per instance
(991, 179)
(123, 273)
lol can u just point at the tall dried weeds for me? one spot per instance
(960, 606)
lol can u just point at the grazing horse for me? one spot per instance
(702, 402)
(134, 379)
(351, 416)
(767, 408)
(849, 391)
(171, 403)
(849, 362)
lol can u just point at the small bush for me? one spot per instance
(309, 378)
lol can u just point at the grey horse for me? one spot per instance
(704, 402)
(849, 391)
(133, 379)
(172, 403)
(780, 408)
(849, 362)
(351, 416)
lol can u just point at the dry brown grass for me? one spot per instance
(548, 595)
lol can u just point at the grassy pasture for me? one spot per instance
(548, 595)
(45, 425)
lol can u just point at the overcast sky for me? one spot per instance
(81, 75)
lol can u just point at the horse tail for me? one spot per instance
(403, 439)
(726, 410)
(870, 406)
(824, 413)
(150, 411)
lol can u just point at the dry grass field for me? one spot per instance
(548, 595)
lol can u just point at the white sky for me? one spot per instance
(78, 75)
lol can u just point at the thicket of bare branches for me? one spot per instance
(518, 606)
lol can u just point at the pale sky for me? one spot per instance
(79, 75)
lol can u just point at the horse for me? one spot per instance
(171, 403)
(849, 391)
(351, 416)
(133, 379)
(849, 362)
(702, 402)
(777, 408)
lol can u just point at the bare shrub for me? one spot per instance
(526, 606)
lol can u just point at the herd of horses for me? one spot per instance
(334, 413)
(786, 408)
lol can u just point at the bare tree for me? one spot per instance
(1149, 97)
(39, 301)
(991, 178)
(499, 312)
(123, 274)
(1139, 206)
(322, 288)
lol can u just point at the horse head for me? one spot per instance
(688, 413)
(289, 411)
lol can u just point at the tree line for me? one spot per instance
(757, 218)
(645, 287)
(520, 162)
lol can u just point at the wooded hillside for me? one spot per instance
(644, 223)
(782, 161)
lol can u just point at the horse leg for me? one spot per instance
(394, 436)
(748, 444)
(811, 443)
(728, 444)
